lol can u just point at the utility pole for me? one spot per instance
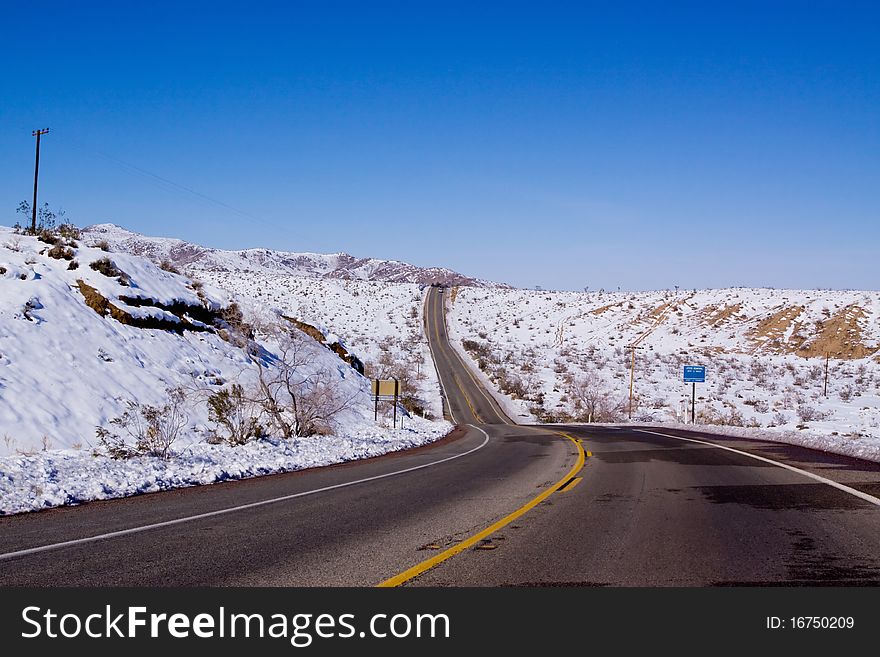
(827, 356)
(37, 134)
(632, 373)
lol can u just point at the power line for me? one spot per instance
(166, 183)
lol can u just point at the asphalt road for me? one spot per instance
(493, 504)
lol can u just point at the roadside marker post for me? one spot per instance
(694, 374)
(386, 390)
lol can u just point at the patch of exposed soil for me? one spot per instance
(602, 309)
(841, 336)
(770, 333)
(104, 307)
(717, 315)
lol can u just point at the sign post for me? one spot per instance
(694, 374)
(386, 390)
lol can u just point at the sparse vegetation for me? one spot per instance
(236, 416)
(148, 430)
(296, 397)
(60, 252)
(167, 265)
(760, 373)
(107, 267)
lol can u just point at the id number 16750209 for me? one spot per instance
(811, 623)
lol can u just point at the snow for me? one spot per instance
(65, 369)
(758, 378)
(269, 261)
(373, 316)
(60, 477)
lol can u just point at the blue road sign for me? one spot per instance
(694, 374)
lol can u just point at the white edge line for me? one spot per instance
(805, 473)
(233, 509)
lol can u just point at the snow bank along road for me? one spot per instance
(495, 503)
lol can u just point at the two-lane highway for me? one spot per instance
(466, 401)
(493, 504)
(356, 524)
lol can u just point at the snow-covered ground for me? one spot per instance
(66, 369)
(58, 477)
(561, 355)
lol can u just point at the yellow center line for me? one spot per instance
(455, 378)
(426, 565)
(479, 387)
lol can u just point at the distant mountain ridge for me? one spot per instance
(188, 256)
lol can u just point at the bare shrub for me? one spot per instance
(236, 416)
(297, 398)
(69, 231)
(153, 429)
(808, 413)
(167, 265)
(709, 415)
(593, 402)
(779, 419)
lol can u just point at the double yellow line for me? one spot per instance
(440, 346)
(438, 310)
(426, 565)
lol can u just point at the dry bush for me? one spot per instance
(107, 267)
(296, 398)
(592, 401)
(167, 265)
(808, 413)
(779, 419)
(153, 429)
(236, 416)
(708, 415)
(69, 231)
(60, 252)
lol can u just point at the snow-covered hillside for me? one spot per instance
(188, 256)
(566, 355)
(84, 332)
(381, 323)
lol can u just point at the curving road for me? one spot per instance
(493, 504)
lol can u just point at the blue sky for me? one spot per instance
(640, 145)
